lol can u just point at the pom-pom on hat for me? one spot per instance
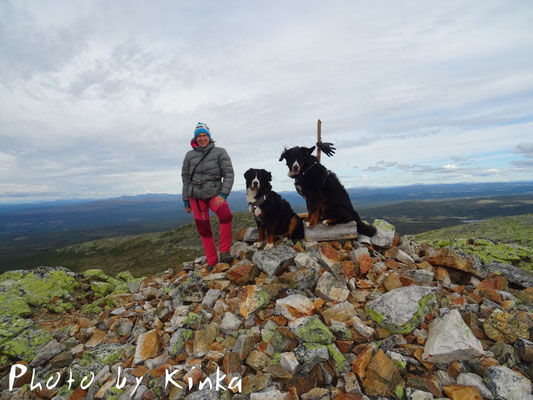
(202, 127)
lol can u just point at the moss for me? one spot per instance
(374, 315)
(184, 336)
(14, 305)
(102, 288)
(266, 335)
(263, 298)
(313, 330)
(11, 327)
(98, 273)
(340, 361)
(125, 276)
(98, 306)
(399, 392)
(275, 358)
(40, 291)
(11, 276)
(193, 320)
(508, 239)
(113, 393)
(26, 345)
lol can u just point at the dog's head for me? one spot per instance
(298, 159)
(257, 179)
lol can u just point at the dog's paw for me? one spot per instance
(257, 244)
(269, 246)
(307, 224)
(325, 222)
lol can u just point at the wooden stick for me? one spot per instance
(318, 138)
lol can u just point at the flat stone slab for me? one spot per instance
(450, 339)
(321, 232)
(402, 309)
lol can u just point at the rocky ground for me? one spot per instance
(329, 320)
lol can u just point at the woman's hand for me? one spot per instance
(188, 210)
(219, 200)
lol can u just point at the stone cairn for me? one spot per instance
(388, 319)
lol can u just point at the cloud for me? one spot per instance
(525, 149)
(101, 97)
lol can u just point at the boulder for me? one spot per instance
(402, 309)
(273, 260)
(450, 339)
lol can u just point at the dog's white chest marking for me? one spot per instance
(250, 195)
(257, 211)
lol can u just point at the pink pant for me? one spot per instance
(200, 211)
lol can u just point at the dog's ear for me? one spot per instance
(310, 150)
(248, 174)
(283, 155)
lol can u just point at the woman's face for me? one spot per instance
(202, 139)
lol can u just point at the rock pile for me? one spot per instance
(312, 321)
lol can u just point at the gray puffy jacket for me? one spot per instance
(212, 177)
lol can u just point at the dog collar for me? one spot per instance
(260, 200)
(308, 168)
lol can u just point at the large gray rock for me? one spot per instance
(450, 339)
(331, 288)
(384, 234)
(53, 348)
(272, 260)
(470, 379)
(402, 309)
(504, 383)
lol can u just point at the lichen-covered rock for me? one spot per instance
(26, 344)
(384, 234)
(402, 309)
(450, 258)
(312, 330)
(507, 384)
(310, 354)
(271, 261)
(505, 327)
(450, 339)
(341, 364)
(254, 298)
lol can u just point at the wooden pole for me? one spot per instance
(318, 137)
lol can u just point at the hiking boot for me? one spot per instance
(210, 268)
(226, 257)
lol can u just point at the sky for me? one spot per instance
(99, 99)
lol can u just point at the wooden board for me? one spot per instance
(322, 232)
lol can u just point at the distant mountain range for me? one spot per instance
(33, 228)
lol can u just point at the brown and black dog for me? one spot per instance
(326, 198)
(273, 214)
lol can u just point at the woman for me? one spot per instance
(207, 176)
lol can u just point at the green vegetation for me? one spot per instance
(504, 239)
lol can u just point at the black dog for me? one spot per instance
(273, 215)
(326, 198)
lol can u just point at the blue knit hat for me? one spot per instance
(202, 127)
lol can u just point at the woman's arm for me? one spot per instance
(185, 178)
(226, 168)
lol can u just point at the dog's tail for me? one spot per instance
(296, 228)
(364, 228)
